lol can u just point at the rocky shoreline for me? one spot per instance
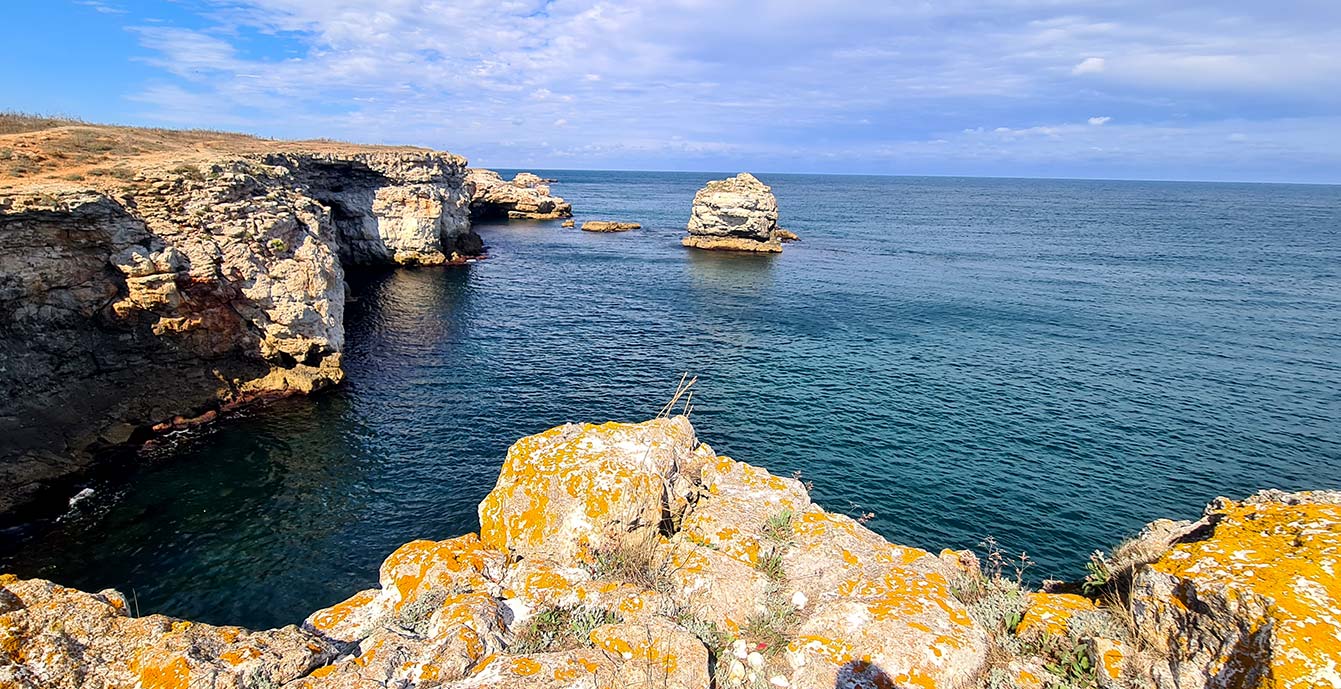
(632, 555)
(189, 276)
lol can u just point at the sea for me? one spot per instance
(1050, 364)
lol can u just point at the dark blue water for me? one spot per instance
(1053, 363)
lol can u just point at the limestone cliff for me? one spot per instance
(632, 555)
(187, 274)
(524, 197)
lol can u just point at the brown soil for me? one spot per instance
(60, 151)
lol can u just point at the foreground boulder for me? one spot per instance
(618, 556)
(1248, 597)
(736, 214)
(524, 197)
(52, 637)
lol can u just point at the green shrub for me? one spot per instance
(559, 629)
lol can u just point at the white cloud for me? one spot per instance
(1090, 65)
(493, 79)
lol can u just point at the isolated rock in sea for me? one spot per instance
(182, 287)
(524, 197)
(1250, 597)
(735, 214)
(609, 226)
(568, 223)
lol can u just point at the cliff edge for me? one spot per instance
(632, 555)
(153, 277)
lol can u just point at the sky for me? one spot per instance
(1244, 90)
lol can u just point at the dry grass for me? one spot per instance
(634, 559)
(66, 149)
(13, 122)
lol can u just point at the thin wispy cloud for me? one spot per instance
(694, 84)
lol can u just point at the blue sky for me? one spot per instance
(1198, 89)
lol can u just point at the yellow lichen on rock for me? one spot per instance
(1251, 598)
(1049, 613)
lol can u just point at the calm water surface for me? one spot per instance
(1053, 363)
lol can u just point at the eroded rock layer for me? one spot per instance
(194, 283)
(736, 214)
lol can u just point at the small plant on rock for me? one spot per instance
(1098, 573)
(559, 629)
(416, 614)
(635, 560)
(778, 527)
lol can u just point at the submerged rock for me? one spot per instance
(524, 197)
(609, 226)
(736, 214)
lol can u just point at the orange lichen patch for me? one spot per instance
(1051, 612)
(238, 656)
(833, 651)
(322, 671)
(901, 593)
(1027, 679)
(483, 664)
(1290, 557)
(1110, 662)
(332, 617)
(180, 626)
(648, 648)
(419, 566)
(156, 669)
(525, 666)
(7, 578)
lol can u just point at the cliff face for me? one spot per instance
(632, 555)
(193, 281)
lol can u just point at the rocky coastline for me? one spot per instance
(632, 555)
(151, 279)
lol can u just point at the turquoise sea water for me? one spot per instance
(1052, 363)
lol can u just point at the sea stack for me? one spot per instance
(735, 214)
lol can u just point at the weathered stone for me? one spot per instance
(736, 214)
(609, 226)
(700, 559)
(53, 637)
(1049, 613)
(525, 197)
(196, 287)
(575, 488)
(1250, 597)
